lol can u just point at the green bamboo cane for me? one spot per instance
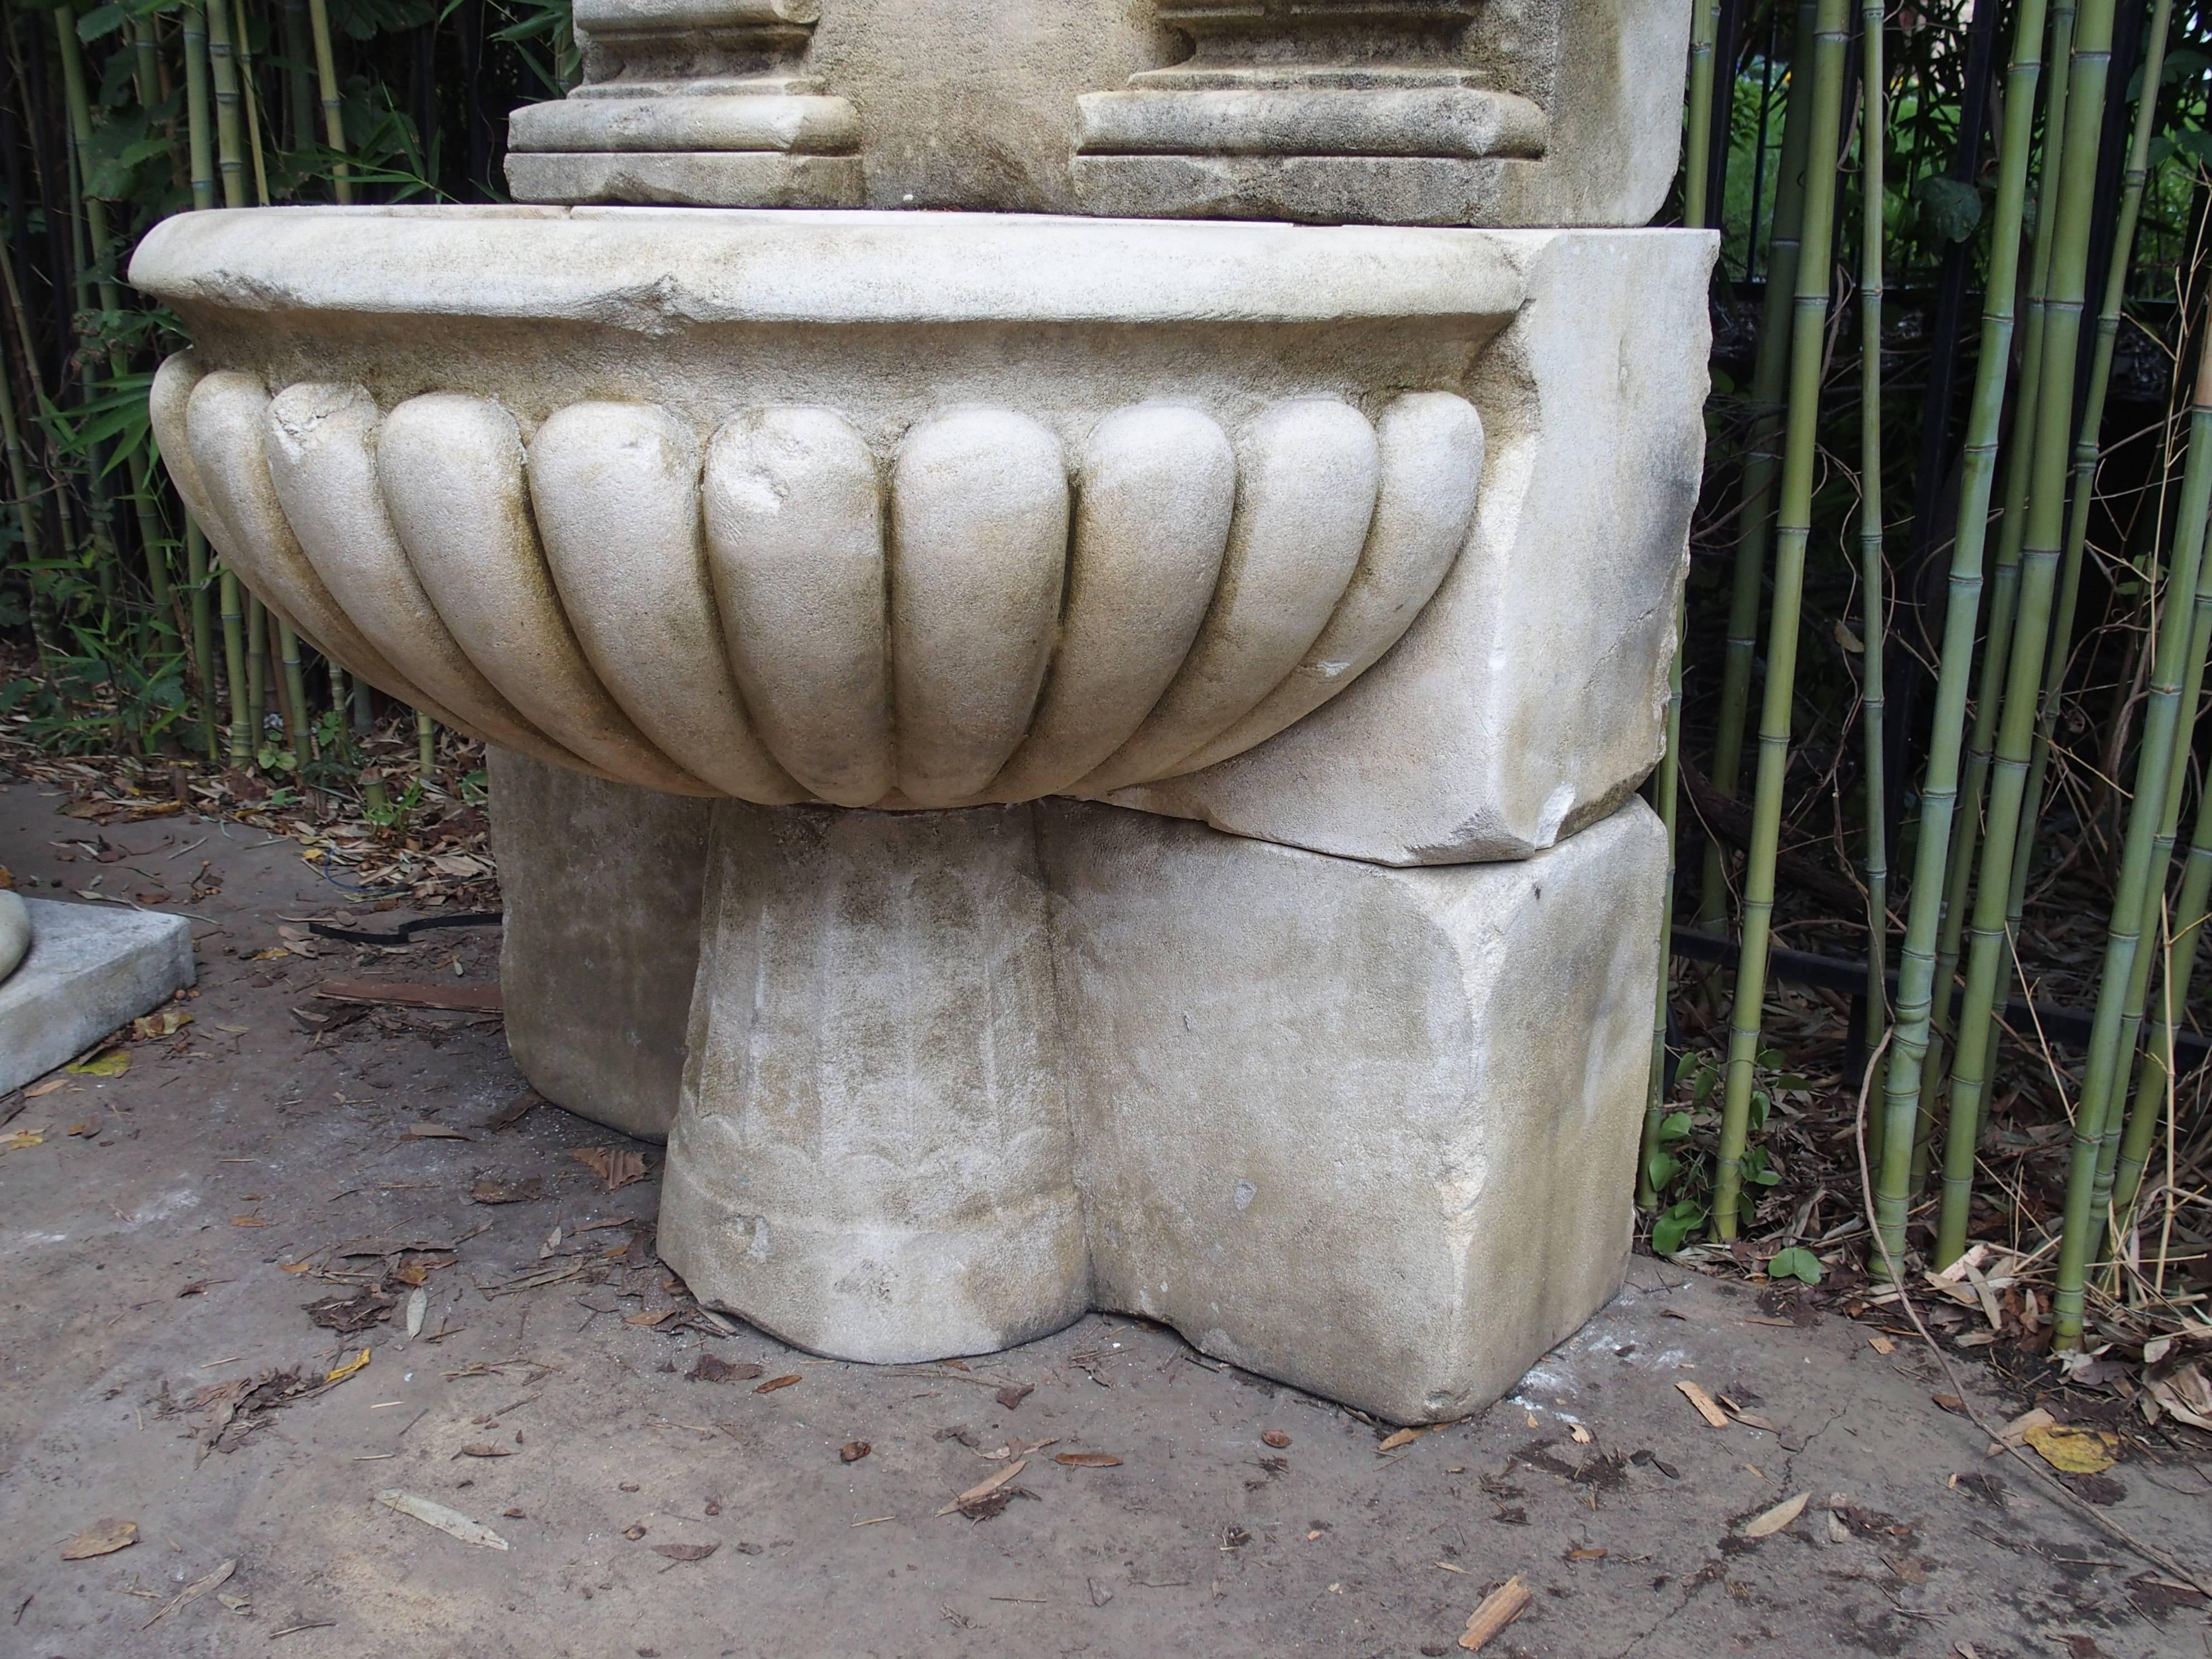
(1792, 530)
(201, 149)
(222, 67)
(196, 106)
(2086, 450)
(146, 68)
(296, 722)
(1872, 136)
(244, 739)
(1698, 120)
(257, 672)
(1666, 780)
(2161, 721)
(249, 96)
(2154, 1072)
(426, 746)
(326, 77)
(2137, 1124)
(1760, 458)
(1918, 978)
(1989, 944)
(2004, 578)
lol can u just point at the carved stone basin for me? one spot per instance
(924, 510)
(1363, 543)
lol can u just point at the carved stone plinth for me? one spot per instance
(953, 1077)
(704, 101)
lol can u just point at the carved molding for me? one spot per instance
(774, 610)
(696, 101)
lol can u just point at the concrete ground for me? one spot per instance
(163, 1238)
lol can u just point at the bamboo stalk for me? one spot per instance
(2154, 1074)
(222, 69)
(196, 106)
(2004, 579)
(249, 94)
(1988, 943)
(2161, 722)
(2087, 446)
(426, 746)
(1760, 457)
(326, 77)
(1792, 530)
(257, 672)
(297, 726)
(1698, 114)
(1873, 584)
(2138, 1124)
(245, 740)
(1666, 780)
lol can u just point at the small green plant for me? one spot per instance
(1796, 1262)
(1681, 1164)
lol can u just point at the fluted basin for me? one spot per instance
(894, 510)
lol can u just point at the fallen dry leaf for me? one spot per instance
(1707, 1409)
(1880, 1344)
(686, 1551)
(194, 1591)
(1013, 1393)
(349, 1368)
(707, 1368)
(2184, 1392)
(46, 1088)
(20, 1141)
(428, 1131)
(1582, 1436)
(461, 998)
(616, 1167)
(982, 1491)
(113, 1063)
(1276, 1438)
(1772, 1521)
(451, 1522)
(1495, 1611)
(1403, 1437)
(853, 1451)
(1587, 1554)
(484, 1448)
(2073, 1451)
(1088, 1459)
(776, 1382)
(100, 1538)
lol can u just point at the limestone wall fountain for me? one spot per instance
(1063, 760)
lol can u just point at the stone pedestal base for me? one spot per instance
(89, 968)
(955, 1077)
(873, 1157)
(601, 883)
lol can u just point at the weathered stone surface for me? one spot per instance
(872, 1158)
(602, 886)
(90, 968)
(1528, 698)
(699, 513)
(1370, 1131)
(14, 931)
(1413, 112)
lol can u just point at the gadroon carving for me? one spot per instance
(774, 612)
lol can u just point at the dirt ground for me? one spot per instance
(148, 1240)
